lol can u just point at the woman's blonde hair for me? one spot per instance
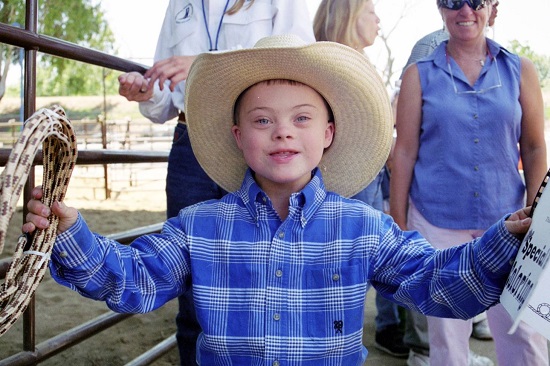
(237, 6)
(336, 21)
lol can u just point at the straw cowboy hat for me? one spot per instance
(343, 76)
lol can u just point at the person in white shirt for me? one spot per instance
(192, 27)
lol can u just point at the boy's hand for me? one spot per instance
(519, 222)
(37, 218)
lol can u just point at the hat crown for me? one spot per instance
(280, 41)
(342, 76)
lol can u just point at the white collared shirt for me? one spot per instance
(184, 33)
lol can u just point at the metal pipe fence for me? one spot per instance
(33, 43)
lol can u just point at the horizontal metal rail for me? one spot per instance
(95, 157)
(65, 340)
(154, 353)
(16, 36)
(124, 237)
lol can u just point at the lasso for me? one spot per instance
(50, 129)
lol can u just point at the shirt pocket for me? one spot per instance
(334, 301)
(248, 25)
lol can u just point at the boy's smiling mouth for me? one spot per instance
(285, 153)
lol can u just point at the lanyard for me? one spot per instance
(215, 48)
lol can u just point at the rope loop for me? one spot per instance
(49, 128)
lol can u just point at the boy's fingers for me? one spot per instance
(62, 211)
(28, 227)
(38, 208)
(518, 227)
(67, 216)
(35, 221)
(37, 192)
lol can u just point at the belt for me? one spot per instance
(181, 118)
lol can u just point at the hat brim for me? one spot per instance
(345, 78)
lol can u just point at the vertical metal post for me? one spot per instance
(105, 166)
(31, 20)
(22, 85)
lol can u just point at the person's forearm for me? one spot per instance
(534, 169)
(399, 188)
(159, 108)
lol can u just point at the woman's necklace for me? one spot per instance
(481, 61)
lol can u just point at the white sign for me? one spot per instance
(526, 295)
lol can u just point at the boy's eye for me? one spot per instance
(262, 121)
(302, 119)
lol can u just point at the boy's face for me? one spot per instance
(282, 131)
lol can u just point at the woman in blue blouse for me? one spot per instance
(466, 115)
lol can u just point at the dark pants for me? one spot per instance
(186, 184)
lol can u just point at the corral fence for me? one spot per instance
(31, 42)
(108, 180)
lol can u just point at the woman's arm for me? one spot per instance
(532, 143)
(408, 121)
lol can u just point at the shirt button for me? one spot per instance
(264, 199)
(281, 235)
(277, 316)
(475, 116)
(63, 254)
(335, 277)
(476, 194)
(276, 363)
(476, 141)
(476, 168)
(279, 273)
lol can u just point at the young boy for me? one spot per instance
(280, 267)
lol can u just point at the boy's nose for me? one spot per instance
(283, 130)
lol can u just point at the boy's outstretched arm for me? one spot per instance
(37, 218)
(519, 222)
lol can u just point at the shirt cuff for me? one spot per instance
(497, 249)
(76, 246)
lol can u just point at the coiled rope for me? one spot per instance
(50, 129)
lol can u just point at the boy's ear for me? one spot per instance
(329, 134)
(237, 135)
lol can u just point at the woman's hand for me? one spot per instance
(134, 87)
(174, 69)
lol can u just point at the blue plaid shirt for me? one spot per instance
(292, 292)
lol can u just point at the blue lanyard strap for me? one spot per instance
(215, 48)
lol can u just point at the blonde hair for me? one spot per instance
(237, 6)
(336, 21)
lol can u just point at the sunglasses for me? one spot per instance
(458, 4)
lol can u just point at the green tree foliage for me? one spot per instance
(542, 63)
(77, 21)
(9, 14)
